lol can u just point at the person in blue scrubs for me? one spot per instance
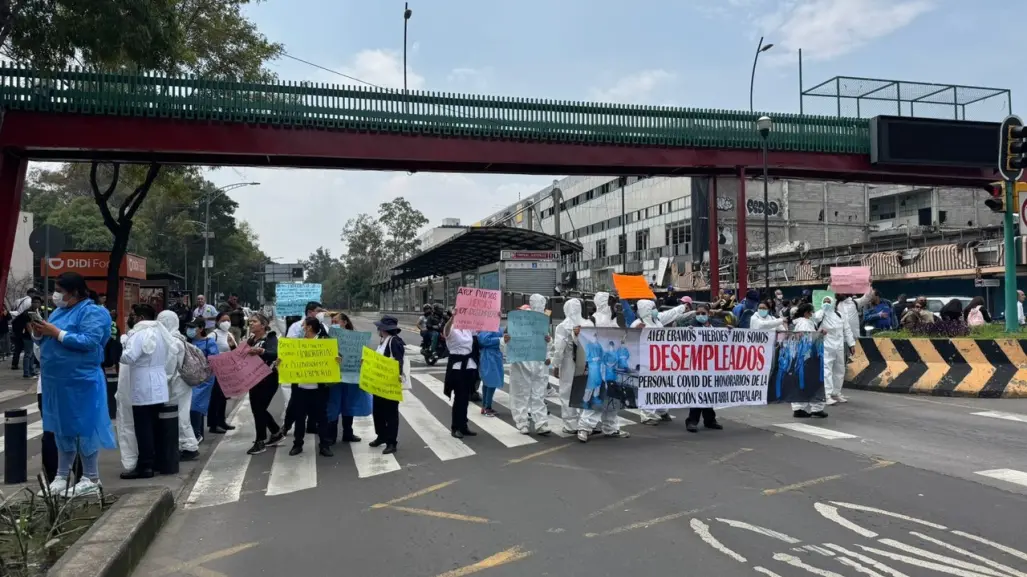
(74, 388)
(346, 400)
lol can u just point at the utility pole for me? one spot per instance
(557, 196)
(407, 13)
(763, 126)
(1012, 158)
(206, 228)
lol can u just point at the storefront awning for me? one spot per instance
(476, 247)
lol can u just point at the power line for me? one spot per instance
(336, 72)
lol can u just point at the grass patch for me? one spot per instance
(990, 331)
(35, 530)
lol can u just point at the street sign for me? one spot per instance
(46, 241)
(986, 282)
(208, 261)
(1022, 202)
(1009, 160)
(289, 272)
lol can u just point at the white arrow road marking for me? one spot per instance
(761, 530)
(765, 571)
(868, 560)
(859, 567)
(796, 562)
(970, 554)
(855, 507)
(920, 563)
(831, 514)
(940, 558)
(999, 546)
(703, 531)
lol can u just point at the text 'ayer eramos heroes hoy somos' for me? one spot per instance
(675, 357)
(691, 335)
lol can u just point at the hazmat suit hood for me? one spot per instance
(572, 312)
(603, 314)
(537, 303)
(170, 321)
(645, 312)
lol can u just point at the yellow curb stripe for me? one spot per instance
(894, 365)
(936, 366)
(858, 363)
(440, 514)
(502, 558)
(1017, 385)
(980, 368)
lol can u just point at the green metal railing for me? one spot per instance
(323, 106)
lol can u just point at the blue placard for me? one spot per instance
(292, 298)
(527, 330)
(351, 345)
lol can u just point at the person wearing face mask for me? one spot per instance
(217, 416)
(780, 305)
(838, 339)
(763, 321)
(346, 400)
(528, 383)
(648, 316)
(701, 319)
(310, 401)
(313, 310)
(804, 324)
(73, 387)
(207, 343)
(849, 307)
(607, 417)
(565, 356)
(181, 393)
(263, 342)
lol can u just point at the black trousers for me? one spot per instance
(196, 420)
(311, 406)
(146, 419)
(708, 415)
(386, 419)
(19, 346)
(216, 410)
(292, 413)
(260, 399)
(462, 383)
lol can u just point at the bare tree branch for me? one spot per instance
(135, 200)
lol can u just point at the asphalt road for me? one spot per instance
(899, 493)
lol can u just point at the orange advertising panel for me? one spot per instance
(93, 265)
(632, 287)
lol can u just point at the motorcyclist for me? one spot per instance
(607, 415)
(422, 325)
(564, 351)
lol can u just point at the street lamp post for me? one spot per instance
(763, 125)
(759, 50)
(206, 228)
(407, 13)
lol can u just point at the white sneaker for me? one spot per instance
(651, 422)
(523, 429)
(618, 434)
(831, 401)
(841, 399)
(85, 488)
(583, 436)
(57, 486)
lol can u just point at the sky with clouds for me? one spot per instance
(695, 53)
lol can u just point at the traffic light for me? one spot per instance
(997, 201)
(1012, 148)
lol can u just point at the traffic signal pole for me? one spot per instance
(1008, 235)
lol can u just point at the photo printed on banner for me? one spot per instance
(609, 357)
(798, 375)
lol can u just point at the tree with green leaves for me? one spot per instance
(400, 222)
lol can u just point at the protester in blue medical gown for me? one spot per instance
(490, 367)
(206, 341)
(346, 400)
(604, 415)
(74, 388)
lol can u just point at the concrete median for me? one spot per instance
(984, 368)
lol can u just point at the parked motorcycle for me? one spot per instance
(435, 350)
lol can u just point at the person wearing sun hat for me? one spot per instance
(384, 411)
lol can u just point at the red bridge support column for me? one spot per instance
(12, 177)
(740, 238)
(714, 235)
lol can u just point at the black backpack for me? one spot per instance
(745, 317)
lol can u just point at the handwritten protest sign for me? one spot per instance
(818, 298)
(292, 298)
(351, 344)
(238, 371)
(308, 361)
(477, 309)
(850, 280)
(703, 367)
(527, 330)
(631, 286)
(379, 375)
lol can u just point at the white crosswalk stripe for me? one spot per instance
(220, 481)
(1015, 417)
(502, 432)
(370, 461)
(434, 433)
(816, 431)
(1007, 475)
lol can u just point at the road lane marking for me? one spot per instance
(1004, 416)
(819, 480)
(220, 481)
(537, 454)
(920, 563)
(730, 456)
(999, 546)
(439, 514)
(415, 494)
(293, 473)
(830, 513)
(761, 530)
(900, 516)
(868, 560)
(816, 431)
(502, 432)
(765, 571)
(173, 566)
(703, 531)
(952, 561)
(1007, 475)
(994, 564)
(6, 395)
(649, 523)
(434, 433)
(796, 562)
(370, 461)
(631, 498)
(502, 558)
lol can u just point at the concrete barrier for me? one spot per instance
(986, 368)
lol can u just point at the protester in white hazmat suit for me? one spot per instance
(128, 447)
(181, 393)
(528, 382)
(849, 307)
(803, 323)
(763, 321)
(648, 316)
(563, 358)
(608, 418)
(838, 339)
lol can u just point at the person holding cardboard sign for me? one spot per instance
(461, 376)
(310, 402)
(386, 411)
(264, 343)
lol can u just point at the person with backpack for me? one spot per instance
(206, 342)
(744, 310)
(976, 314)
(181, 392)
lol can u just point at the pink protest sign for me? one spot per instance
(476, 309)
(238, 371)
(850, 280)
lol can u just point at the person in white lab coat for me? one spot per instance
(181, 393)
(648, 316)
(803, 323)
(838, 339)
(849, 307)
(146, 354)
(607, 417)
(528, 382)
(763, 320)
(564, 351)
